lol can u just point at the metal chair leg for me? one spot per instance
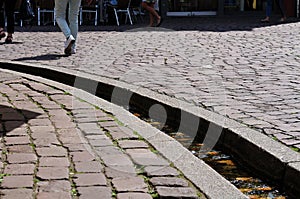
(39, 16)
(117, 18)
(129, 15)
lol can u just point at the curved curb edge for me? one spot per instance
(267, 156)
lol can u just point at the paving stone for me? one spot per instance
(90, 179)
(17, 140)
(106, 124)
(63, 124)
(58, 113)
(11, 125)
(101, 143)
(75, 147)
(50, 105)
(20, 149)
(45, 140)
(60, 195)
(290, 142)
(19, 169)
(90, 119)
(129, 144)
(88, 167)
(86, 111)
(121, 132)
(95, 192)
(176, 192)
(97, 137)
(120, 171)
(169, 181)
(152, 171)
(53, 173)
(12, 116)
(117, 160)
(104, 117)
(54, 162)
(108, 150)
(93, 132)
(88, 126)
(294, 134)
(82, 156)
(69, 132)
(52, 151)
(20, 131)
(20, 181)
(135, 184)
(21, 158)
(133, 195)
(17, 193)
(146, 158)
(60, 118)
(42, 129)
(58, 186)
(40, 122)
(76, 139)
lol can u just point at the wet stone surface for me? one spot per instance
(51, 149)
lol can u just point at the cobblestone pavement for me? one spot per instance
(233, 65)
(51, 148)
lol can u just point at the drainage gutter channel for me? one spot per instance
(265, 155)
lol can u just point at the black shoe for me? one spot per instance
(8, 39)
(2, 34)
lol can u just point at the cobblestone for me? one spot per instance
(247, 77)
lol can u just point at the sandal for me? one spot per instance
(2, 34)
(8, 39)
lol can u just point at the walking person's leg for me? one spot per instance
(74, 6)
(60, 10)
(268, 11)
(281, 9)
(2, 21)
(9, 10)
(152, 11)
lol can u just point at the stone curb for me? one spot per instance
(268, 157)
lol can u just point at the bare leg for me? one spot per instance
(152, 11)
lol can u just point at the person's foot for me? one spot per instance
(282, 19)
(73, 51)
(68, 45)
(265, 20)
(159, 21)
(8, 39)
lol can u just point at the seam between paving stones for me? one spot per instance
(28, 131)
(140, 168)
(95, 153)
(73, 190)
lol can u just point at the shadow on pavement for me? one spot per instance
(246, 21)
(14, 42)
(42, 57)
(11, 118)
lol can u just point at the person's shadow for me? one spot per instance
(14, 42)
(42, 57)
(11, 118)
